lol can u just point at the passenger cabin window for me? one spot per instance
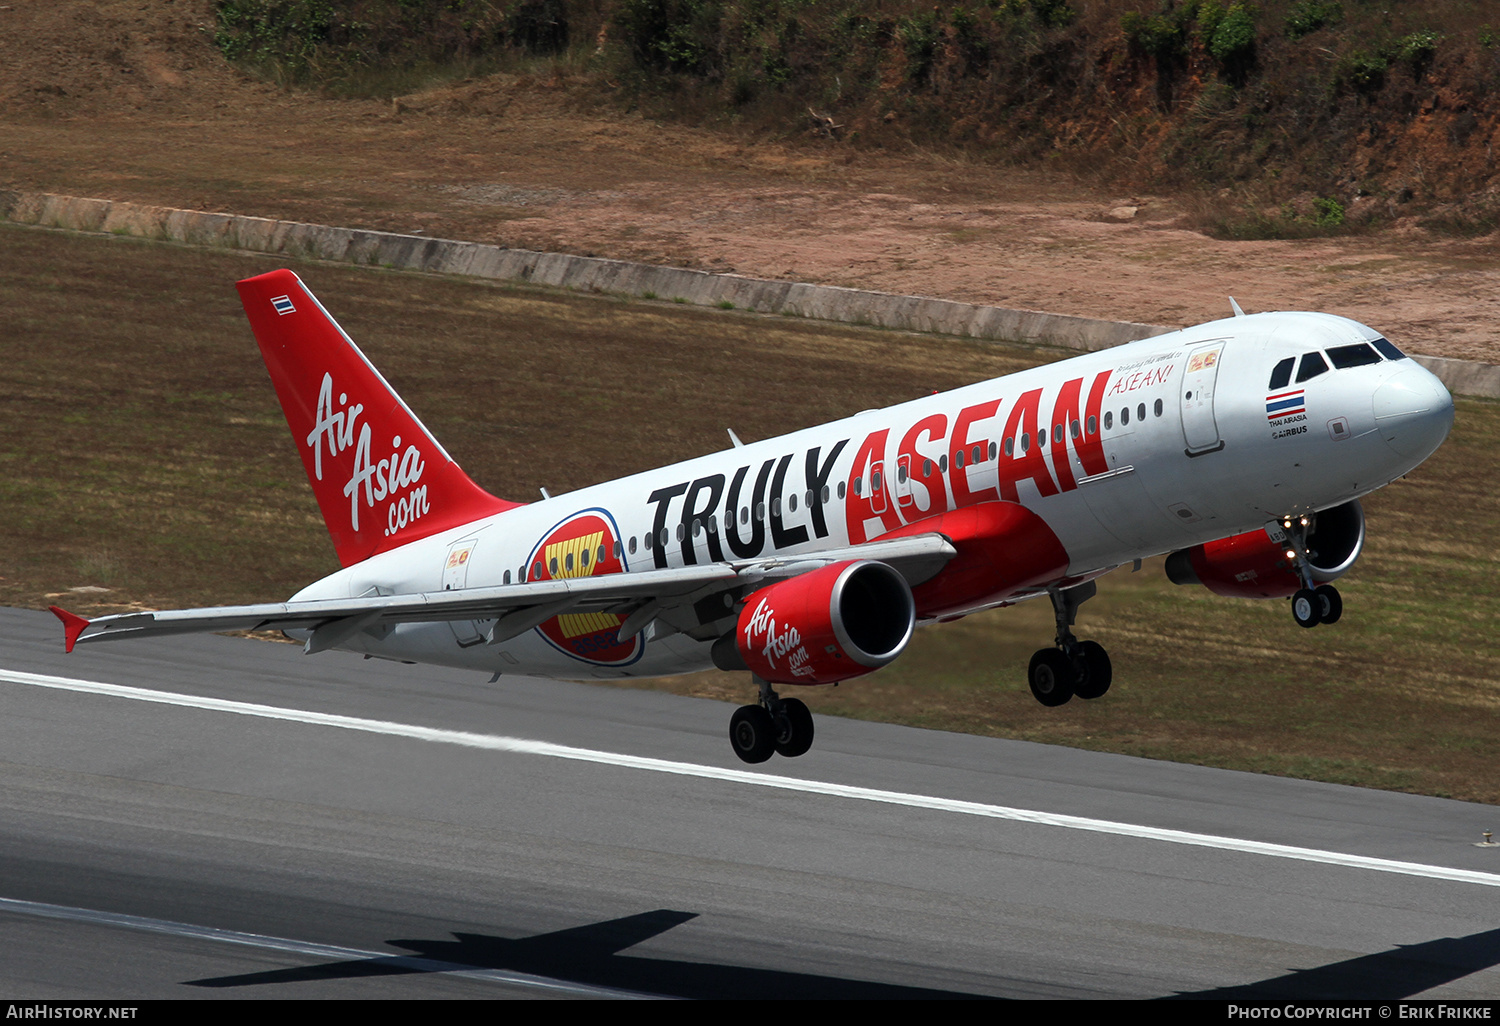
(1387, 350)
(1357, 355)
(1313, 364)
(1282, 375)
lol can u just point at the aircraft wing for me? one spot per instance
(515, 608)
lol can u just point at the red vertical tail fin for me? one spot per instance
(380, 477)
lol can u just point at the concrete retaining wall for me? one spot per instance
(594, 274)
(412, 252)
(1463, 377)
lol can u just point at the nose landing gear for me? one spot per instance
(1074, 667)
(1313, 603)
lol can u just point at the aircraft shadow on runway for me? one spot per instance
(591, 955)
(1402, 972)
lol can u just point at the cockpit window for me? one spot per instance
(1283, 373)
(1357, 355)
(1313, 364)
(1387, 350)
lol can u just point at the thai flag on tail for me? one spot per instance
(1284, 404)
(283, 305)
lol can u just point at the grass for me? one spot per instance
(142, 450)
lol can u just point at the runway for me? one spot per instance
(210, 816)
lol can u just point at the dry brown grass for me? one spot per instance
(141, 449)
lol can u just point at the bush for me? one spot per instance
(1328, 213)
(670, 35)
(1307, 16)
(1232, 43)
(1417, 51)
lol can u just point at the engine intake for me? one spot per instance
(834, 623)
(1252, 565)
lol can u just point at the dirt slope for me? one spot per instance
(128, 99)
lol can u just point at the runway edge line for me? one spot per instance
(525, 746)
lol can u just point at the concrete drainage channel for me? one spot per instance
(619, 277)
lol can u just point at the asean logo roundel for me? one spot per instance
(583, 545)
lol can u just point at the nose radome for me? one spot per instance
(1413, 412)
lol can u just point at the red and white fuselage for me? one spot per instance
(1073, 469)
(1240, 447)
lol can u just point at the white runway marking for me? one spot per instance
(754, 779)
(295, 947)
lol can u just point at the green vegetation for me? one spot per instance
(1282, 95)
(1307, 16)
(143, 451)
(1312, 218)
(366, 45)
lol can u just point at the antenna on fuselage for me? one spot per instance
(544, 493)
(1235, 307)
(735, 438)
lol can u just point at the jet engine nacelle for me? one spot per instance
(1252, 565)
(824, 626)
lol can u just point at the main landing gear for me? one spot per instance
(1074, 667)
(1312, 606)
(779, 726)
(1313, 603)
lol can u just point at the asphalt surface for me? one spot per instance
(332, 826)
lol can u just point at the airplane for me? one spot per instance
(1240, 448)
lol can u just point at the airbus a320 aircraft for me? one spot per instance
(1240, 447)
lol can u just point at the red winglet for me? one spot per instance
(73, 625)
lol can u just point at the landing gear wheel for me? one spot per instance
(752, 733)
(1330, 603)
(1051, 676)
(1307, 608)
(1096, 671)
(794, 729)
